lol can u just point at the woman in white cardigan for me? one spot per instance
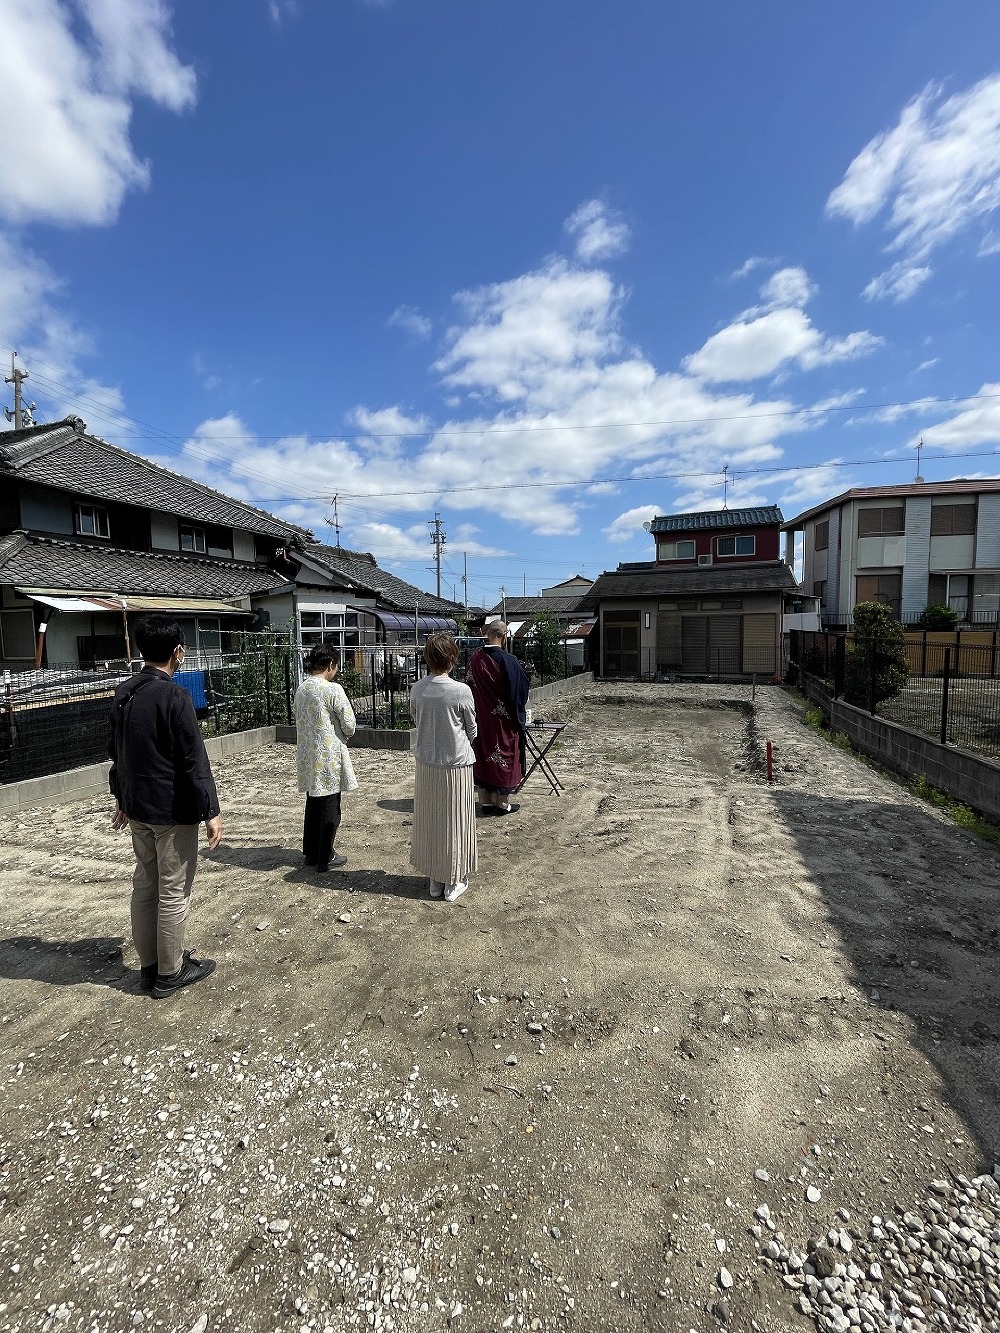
(324, 722)
(444, 800)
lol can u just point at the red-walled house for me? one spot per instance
(710, 603)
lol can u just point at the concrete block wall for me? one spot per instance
(966, 777)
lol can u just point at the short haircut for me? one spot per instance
(156, 637)
(497, 629)
(440, 652)
(322, 656)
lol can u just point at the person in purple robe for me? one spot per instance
(500, 688)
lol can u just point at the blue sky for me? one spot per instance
(544, 267)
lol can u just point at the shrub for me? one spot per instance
(876, 662)
(938, 617)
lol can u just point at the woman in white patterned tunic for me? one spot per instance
(324, 722)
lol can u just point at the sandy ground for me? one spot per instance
(673, 994)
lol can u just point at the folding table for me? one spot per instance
(539, 738)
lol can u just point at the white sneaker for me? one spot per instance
(436, 889)
(454, 891)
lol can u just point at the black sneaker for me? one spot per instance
(191, 970)
(147, 977)
(336, 861)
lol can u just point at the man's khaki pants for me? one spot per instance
(166, 856)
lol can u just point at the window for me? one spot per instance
(953, 520)
(734, 545)
(819, 590)
(192, 539)
(884, 588)
(92, 521)
(732, 603)
(880, 522)
(676, 550)
(985, 596)
(822, 535)
(711, 606)
(333, 627)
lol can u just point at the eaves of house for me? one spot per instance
(46, 564)
(652, 580)
(961, 486)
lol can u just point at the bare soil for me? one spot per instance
(540, 1107)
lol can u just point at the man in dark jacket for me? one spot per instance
(162, 783)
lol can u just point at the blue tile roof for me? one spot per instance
(709, 520)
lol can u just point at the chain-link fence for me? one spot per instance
(56, 718)
(948, 689)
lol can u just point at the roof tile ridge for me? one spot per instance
(190, 481)
(40, 445)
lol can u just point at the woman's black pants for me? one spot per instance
(319, 828)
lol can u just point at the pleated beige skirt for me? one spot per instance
(443, 846)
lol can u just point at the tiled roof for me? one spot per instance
(359, 568)
(43, 562)
(655, 581)
(533, 606)
(65, 457)
(913, 488)
(716, 518)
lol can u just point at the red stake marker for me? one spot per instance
(770, 763)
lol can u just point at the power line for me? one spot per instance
(477, 431)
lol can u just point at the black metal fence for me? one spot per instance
(930, 683)
(56, 718)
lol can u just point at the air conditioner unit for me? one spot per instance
(704, 560)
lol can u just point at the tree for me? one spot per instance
(549, 653)
(938, 617)
(877, 668)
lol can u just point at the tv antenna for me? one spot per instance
(920, 449)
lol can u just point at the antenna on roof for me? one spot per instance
(336, 520)
(920, 447)
(725, 486)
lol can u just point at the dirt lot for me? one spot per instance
(680, 1017)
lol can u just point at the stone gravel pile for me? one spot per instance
(934, 1266)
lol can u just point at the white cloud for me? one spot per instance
(50, 344)
(411, 321)
(600, 232)
(775, 336)
(281, 10)
(627, 526)
(545, 400)
(927, 365)
(748, 350)
(897, 283)
(989, 245)
(975, 423)
(750, 265)
(788, 287)
(71, 159)
(937, 172)
(515, 335)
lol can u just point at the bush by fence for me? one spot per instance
(951, 690)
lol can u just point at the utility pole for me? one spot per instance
(438, 540)
(465, 578)
(16, 377)
(725, 486)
